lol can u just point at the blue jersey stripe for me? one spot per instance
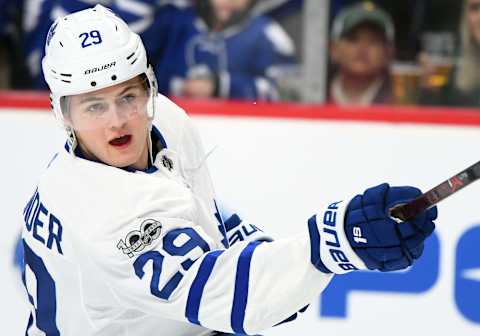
(315, 245)
(240, 295)
(198, 284)
(30, 323)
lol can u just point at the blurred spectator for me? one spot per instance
(217, 48)
(412, 18)
(463, 86)
(361, 52)
(37, 18)
(3, 56)
(7, 38)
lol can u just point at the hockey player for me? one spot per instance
(122, 236)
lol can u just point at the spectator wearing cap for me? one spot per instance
(362, 47)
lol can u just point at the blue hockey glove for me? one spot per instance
(378, 240)
(361, 235)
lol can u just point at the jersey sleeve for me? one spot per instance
(169, 267)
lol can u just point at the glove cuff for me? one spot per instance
(330, 249)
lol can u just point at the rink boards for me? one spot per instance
(275, 165)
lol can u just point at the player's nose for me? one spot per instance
(117, 117)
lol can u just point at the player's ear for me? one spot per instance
(68, 121)
(66, 111)
(67, 118)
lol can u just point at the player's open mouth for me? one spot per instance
(122, 141)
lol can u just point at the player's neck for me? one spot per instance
(143, 161)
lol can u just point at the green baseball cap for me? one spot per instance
(352, 16)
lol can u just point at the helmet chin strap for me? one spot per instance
(149, 142)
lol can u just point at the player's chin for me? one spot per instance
(121, 159)
(126, 154)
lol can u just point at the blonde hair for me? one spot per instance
(467, 76)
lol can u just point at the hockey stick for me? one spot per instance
(406, 211)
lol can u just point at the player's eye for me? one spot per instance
(96, 109)
(128, 99)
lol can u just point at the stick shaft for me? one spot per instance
(440, 192)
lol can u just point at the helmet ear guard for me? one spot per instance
(153, 86)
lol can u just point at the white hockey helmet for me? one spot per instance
(90, 50)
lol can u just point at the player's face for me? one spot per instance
(224, 9)
(111, 124)
(473, 19)
(363, 52)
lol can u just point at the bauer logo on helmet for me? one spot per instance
(101, 68)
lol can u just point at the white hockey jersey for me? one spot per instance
(113, 252)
